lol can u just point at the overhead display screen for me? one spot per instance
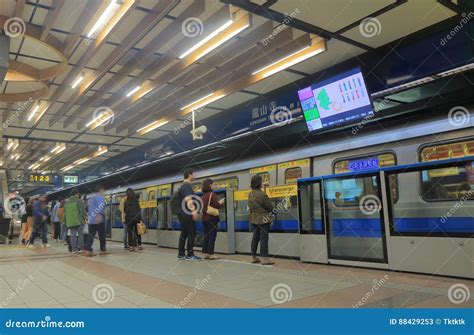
(338, 100)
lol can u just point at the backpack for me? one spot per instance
(175, 202)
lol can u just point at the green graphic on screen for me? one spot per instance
(324, 100)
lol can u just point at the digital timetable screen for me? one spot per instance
(338, 100)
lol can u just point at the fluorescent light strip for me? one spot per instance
(280, 60)
(207, 102)
(133, 91)
(100, 151)
(98, 119)
(207, 38)
(151, 126)
(101, 21)
(220, 42)
(200, 99)
(77, 82)
(35, 110)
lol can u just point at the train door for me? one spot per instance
(169, 227)
(243, 230)
(149, 215)
(108, 216)
(162, 211)
(117, 231)
(355, 227)
(313, 244)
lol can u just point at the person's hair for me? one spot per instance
(188, 171)
(131, 195)
(62, 203)
(99, 188)
(256, 182)
(74, 192)
(207, 185)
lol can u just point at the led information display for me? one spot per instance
(335, 101)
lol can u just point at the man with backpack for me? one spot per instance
(74, 217)
(183, 205)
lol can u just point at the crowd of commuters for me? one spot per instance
(77, 221)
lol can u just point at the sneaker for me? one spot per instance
(181, 257)
(103, 252)
(193, 258)
(125, 246)
(31, 246)
(46, 245)
(89, 254)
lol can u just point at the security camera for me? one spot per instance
(198, 133)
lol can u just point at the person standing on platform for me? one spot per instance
(133, 215)
(74, 216)
(60, 214)
(210, 220)
(96, 218)
(124, 223)
(187, 216)
(40, 217)
(56, 222)
(261, 217)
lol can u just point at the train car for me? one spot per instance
(329, 225)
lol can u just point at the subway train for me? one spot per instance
(401, 201)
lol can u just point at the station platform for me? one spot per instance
(155, 278)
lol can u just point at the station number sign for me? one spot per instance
(40, 178)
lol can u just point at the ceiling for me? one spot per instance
(143, 49)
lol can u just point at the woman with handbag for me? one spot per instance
(132, 217)
(210, 218)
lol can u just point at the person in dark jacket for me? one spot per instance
(209, 221)
(132, 217)
(40, 217)
(261, 217)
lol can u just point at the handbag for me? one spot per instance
(141, 228)
(211, 210)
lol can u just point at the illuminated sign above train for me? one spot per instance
(363, 164)
(338, 100)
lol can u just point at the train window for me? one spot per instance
(292, 174)
(452, 183)
(265, 178)
(231, 183)
(366, 163)
(151, 195)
